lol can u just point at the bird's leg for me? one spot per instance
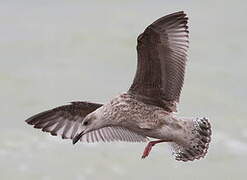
(149, 146)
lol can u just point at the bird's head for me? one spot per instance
(91, 122)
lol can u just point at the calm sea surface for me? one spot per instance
(54, 52)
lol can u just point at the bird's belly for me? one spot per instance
(153, 133)
(159, 135)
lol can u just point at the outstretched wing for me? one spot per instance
(64, 120)
(67, 121)
(162, 51)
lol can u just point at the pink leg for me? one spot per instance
(149, 146)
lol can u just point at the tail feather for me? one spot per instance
(199, 142)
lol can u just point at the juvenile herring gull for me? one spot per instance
(148, 108)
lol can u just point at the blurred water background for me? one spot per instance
(54, 52)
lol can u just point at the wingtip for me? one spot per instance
(181, 12)
(29, 121)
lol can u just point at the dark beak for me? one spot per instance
(77, 137)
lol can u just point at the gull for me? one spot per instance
(148, 110)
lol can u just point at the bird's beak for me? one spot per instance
(78, 137)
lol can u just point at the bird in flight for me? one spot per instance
(148, 109)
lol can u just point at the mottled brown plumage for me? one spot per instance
(162, 51)
(147, 109)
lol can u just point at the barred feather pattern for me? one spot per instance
(162, 55)
(176, 36)
(64, 121)
(110, 134)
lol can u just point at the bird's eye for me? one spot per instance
(85, 123)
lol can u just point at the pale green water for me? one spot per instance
(53, 52)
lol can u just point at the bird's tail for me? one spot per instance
(196, 146)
